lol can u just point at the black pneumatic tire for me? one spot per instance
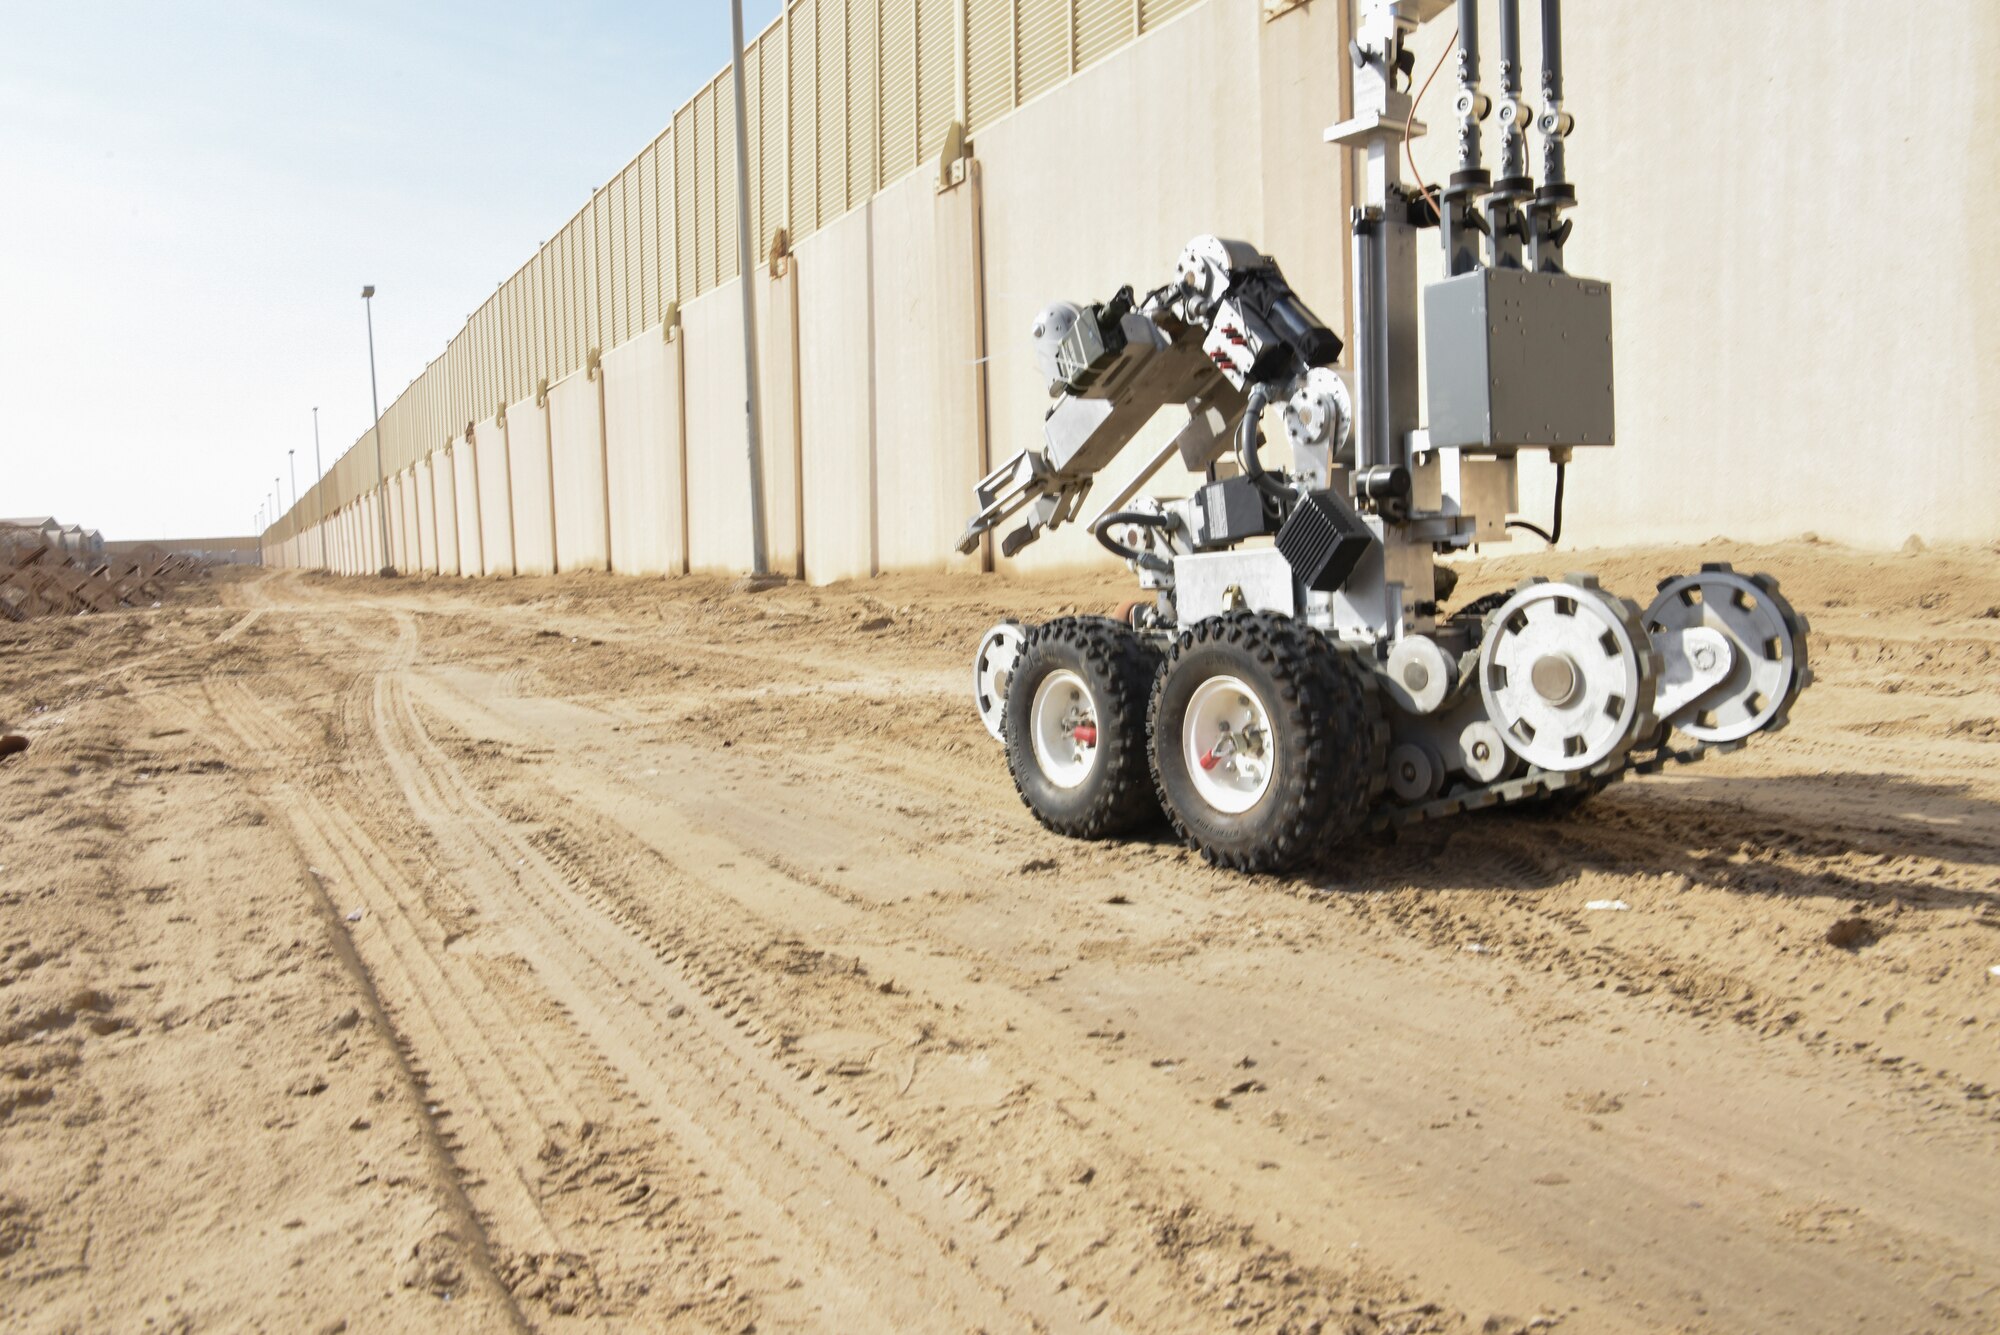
(1325, 722)
(1118, 668)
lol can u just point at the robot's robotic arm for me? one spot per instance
(1229, 328)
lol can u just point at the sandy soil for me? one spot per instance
(605, 954)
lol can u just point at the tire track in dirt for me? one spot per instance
(492, 1099)
(319, 839)
(936, 969)
(869, 803)
(883, 1218)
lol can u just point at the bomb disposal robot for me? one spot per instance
(1299, 674)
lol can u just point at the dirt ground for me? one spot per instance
(591, 953)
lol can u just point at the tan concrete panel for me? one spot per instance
(832, 268)
(778, 396)
(444, 494)
(465, 506)
(926, 369)
(496, 491)
(368, 525)
(425, 476)
(528, 468)
(403, 488)
(576, 441)
(718, 467)
(642, 428)
(1175, 153)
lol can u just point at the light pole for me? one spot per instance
(753, 426)
(318, 477)
(292, 464)
(375, 398)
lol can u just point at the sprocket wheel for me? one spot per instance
(1768, 640)
(1568, 674)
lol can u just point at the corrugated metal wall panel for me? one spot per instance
(937, 73)
(858, 39)
(1044, 38)
(618, 261)
(802, 33)
(770, 182)
(643, 224)
(687, 244)
(1152, 13)
(989, 60)
(704, 190)
(833, 91)
(1102, 26)
(590, 279)
(753, 125)
(897, 52)
(724, 187)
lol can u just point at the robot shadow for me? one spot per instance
(1865, 836)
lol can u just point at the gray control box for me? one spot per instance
(1518, 359)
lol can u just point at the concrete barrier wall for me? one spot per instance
(1744, 345)
(642, 432)
(576, 444)
(528, 472)
(496, 493)
(836, 320)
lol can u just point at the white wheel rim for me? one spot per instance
(1063, 709)
(992, 669)
(1227, 741)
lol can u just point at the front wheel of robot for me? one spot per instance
(1266, 741)
(1075, 726)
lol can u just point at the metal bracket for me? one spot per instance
(593, 364)
(542, 392)
(670, 322)
(1277, 9)
(952, 157)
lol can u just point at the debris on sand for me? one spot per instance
(12, 744)
(1853, 933)
(1608, 906)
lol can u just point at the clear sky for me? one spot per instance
(192, 193)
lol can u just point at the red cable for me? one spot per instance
(1411, 120)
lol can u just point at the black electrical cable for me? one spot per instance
(1555, 529)
(1101, 530)
(1247, 436)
